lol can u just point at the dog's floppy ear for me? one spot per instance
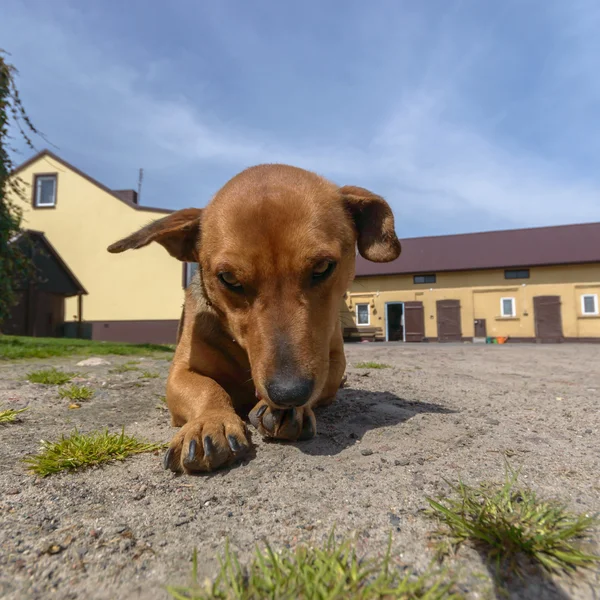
(179, 233)
(374, 222)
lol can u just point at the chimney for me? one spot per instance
(129, 196)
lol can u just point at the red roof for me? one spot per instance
(558, 245)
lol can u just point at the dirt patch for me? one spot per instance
(440, 411)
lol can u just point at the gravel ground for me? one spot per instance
(442, 411)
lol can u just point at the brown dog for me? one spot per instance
(276, 249)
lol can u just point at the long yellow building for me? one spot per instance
(539, 284)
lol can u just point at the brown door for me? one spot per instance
(480, 328)
(48, 315)
(448, 321)
(414, 321)
(548, 319)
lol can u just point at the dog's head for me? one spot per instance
(277, 247)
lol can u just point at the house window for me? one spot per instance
(507, 307)
(44, 191)
(589, 304)
(516, 274)
(363, 316)
(190, 271)
(424, 278)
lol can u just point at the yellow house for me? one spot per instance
(538, 284)
(135, 296)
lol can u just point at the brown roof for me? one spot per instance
(117, 194)
(558, 245)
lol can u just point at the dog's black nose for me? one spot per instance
(290, 391)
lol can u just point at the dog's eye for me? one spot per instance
(230, 281)
(322, 270)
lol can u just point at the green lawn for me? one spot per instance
(15, 347)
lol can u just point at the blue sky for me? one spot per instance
(466, 115)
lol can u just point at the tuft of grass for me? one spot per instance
(17, 347)
(10, 415)
(511, 524)
(149, 375)
(372, 365)
(76, 392)
(79, 451)
(50, 376)
(124, 368)
(332, 572)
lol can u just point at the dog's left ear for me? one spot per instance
(374, 222)
(179, 233)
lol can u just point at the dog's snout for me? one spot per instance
(290, 391)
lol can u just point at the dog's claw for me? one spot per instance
(308, 431)
(209, 447)
(233, 444)
(191, 452)
(261, 411)
(167, 458)
(272, 420)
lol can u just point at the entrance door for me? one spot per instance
(394, 316)
(548, 319)
(414, 322)
(448, 321)
(480, 328)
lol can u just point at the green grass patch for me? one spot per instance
(149, 375)
(79, 451)
(17, 347)
(331, 572)
(124, 368)
(76, 392)
(50, 376)
(511, 524)
(372, 365)
(10, 415)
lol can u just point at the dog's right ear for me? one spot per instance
(179, 233)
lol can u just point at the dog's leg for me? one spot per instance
(212, 435)
(337, 371)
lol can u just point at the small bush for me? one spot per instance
(79, 451)
(332, 572)
(50, 376)
(149, 375)
(124, 368)
(511, 524)
(76, 392)
(10, 415)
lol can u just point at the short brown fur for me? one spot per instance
(285, 239)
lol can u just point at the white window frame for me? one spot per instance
(583, 311)
(38, 187)
(368, 314)
(514, 307)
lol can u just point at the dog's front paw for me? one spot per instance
(215, 440)
(293, 424)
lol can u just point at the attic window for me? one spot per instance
(44, 191)
(516, 274)
(424, 278)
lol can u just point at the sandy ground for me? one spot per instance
(127, 529)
